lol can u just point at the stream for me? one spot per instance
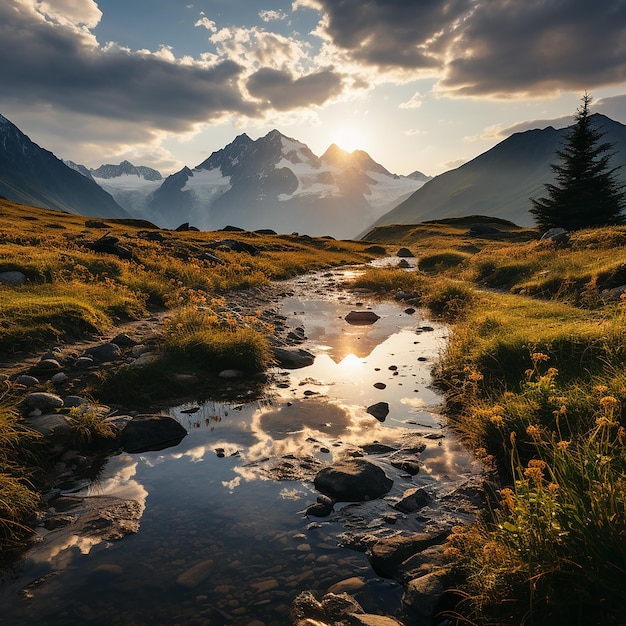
(223, 535)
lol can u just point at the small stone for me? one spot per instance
(409, 311)
(195, 575)
(349, 585)
(139, 349)
(43, 400)
(27, 381)
(380, 385)
(231, 374)
(412, 500)
(123, 340)
(380, 410)
(72, 401)
(59, 378)
(104, 352)
(48, 365)
(410, 466)
(12, 278)
(83, 362)
(405, 253)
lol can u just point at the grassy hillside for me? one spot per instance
(536, 384)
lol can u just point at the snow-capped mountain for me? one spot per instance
(277, 182)
(31, 175)
(130, 185)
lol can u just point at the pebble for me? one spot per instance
(59, 378)
(27, 381)
(380, 385)
(43, 400)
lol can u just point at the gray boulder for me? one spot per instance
(104, 352)
(51, 425)
(353, 480)
(404, 252)
(27, 381)
(43, 400)
(151, 432)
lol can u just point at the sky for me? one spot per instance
(419, 84)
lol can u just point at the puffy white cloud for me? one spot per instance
(272, 15)
(205, 22)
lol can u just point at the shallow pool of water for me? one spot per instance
(221, 541)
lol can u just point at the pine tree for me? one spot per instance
(586, 193)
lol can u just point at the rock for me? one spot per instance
(388, 554)
(71, 401)
(412, 500)
(404, 252)
(83, 362)
(421, 596)
(265, 231)
(375, 250)
(293, 358)
(27, 381)
(409, 311)
(183, 228)
(151, 432)
(231, 374)
(154, 236)
(410, 466)
(186, 379)
(613, 294)
(369, 619)
(361, 317)
(380, 410)
(144, 359)
(558, 236)
(339, 606)
(12, 278)
(104, 352)
(480, 230)
(48, 365)
(123, 340)
(137, 350)
(109, 245)
(195, 575)
(95, 224)
(380, 385)
(59, 378)
(43, 400)
(353, 480)
(307, 610)
(51, 425)
(235, 246)
(404, 264)
(320, 509)
(349, 585)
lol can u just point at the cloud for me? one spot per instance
(613, 107)
(62, 65)
(480, 47)
(519, 48)
(205, 22)
(269, 16)
(284, 92)
(414, 102)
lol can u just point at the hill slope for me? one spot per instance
(31, 175)
(500, 181)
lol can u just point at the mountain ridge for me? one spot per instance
(31, 175)
(500, 181)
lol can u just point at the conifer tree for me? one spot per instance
(586, 193)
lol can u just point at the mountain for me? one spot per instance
(501, 181)
(277, 182)
(31, 175)
(130, 185)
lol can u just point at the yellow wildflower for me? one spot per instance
(533, 432)
(508, 499)
(563, 445)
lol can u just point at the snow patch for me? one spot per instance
(207, 185)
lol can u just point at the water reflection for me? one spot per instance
(212, 499)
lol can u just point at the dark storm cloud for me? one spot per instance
(60, 66)
(487, 47)
(393, 33)
(517, 46)
(283, 92)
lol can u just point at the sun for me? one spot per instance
(349, 138)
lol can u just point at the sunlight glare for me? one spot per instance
(349, 138)
(351, 363)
